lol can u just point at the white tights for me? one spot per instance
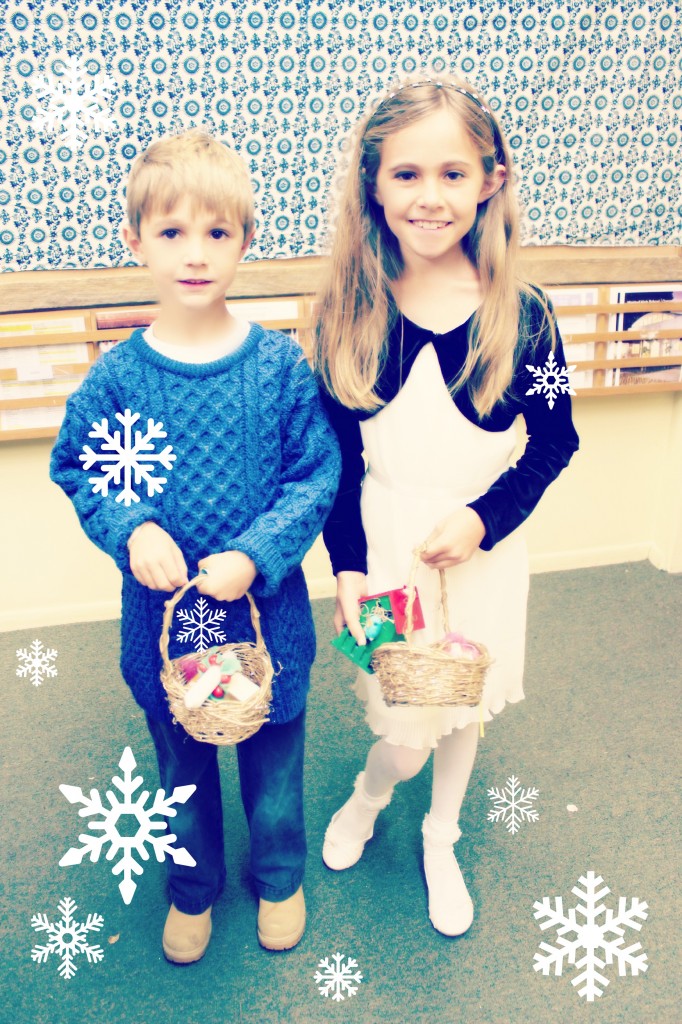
(453, 760)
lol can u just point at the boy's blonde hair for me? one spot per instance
(355, 310)
(192, 164)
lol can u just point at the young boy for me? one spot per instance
(255, 472)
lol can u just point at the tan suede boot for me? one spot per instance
(281, 925)
(186, 936)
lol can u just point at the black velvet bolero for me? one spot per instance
(552, 438)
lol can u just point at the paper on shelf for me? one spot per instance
(53, 325)
(31, 419)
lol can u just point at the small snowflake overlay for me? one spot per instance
(551, 380)
(338, 977)
(67, 938)
(130, 461)
(513, 804)
(127, 845)
(591, 935)
(36, 662)
(77, 103)
(201, 625)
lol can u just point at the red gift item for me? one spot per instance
(189, 667)
(398, 601)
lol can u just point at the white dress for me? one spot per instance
(426, 460)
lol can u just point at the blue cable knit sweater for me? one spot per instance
(256, 470)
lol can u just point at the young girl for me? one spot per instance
(424, 343)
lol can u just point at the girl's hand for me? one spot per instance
(156, 561)
(350, 588)
(454, 540)
(228, 575)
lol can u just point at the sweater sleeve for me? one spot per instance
(552, 439)
(106, 522)
(278, 539)
(344, 534)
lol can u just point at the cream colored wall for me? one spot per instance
(619, 500)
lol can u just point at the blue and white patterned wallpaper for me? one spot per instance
(590, 96)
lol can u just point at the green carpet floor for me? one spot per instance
(599, 730)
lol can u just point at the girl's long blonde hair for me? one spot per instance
(355, 310)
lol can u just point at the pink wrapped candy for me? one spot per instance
(459, 647)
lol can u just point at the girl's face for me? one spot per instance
(430, 182)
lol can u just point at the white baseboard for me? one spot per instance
(59, 615)
(664, 560)
(586, 558)
(325, 586)
(579, 558)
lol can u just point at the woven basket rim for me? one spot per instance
(394, 662)
(227, 721)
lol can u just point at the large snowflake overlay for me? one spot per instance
(201, 625)
(551, 380)
(338, 977)
(130, 460)
(76, 103)
(36, 662)
(127, 845)
(513, 804)
(591, 936)
(67, 937)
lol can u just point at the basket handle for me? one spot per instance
(411, 591)
(178, 596)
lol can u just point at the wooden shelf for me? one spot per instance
(24, 291)
(36, 307)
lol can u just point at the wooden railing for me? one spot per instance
(54, 324)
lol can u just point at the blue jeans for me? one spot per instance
(271, 780)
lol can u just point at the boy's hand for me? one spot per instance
(228, 575)
(454, 540)
(156, 561)
(351, 587)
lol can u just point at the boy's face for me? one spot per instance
(192, 255)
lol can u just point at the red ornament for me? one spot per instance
(189, 668)
(218, 692)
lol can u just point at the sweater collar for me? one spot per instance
(198, 370)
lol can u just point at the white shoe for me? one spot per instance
(352, 826)
(451, 911)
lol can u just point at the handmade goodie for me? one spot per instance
(450, 672)
(222, 694)
(382, 617)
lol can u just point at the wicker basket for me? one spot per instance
(226, 721)
(429, 675)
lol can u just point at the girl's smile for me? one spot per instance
(431, 225)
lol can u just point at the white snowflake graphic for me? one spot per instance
(77, 102)
(513, 804)
(127, 845)
(337, 978)
(130, 460)
(551, 380)
(67, 937)
(201, 625)
(36, 662)
(590, 935)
